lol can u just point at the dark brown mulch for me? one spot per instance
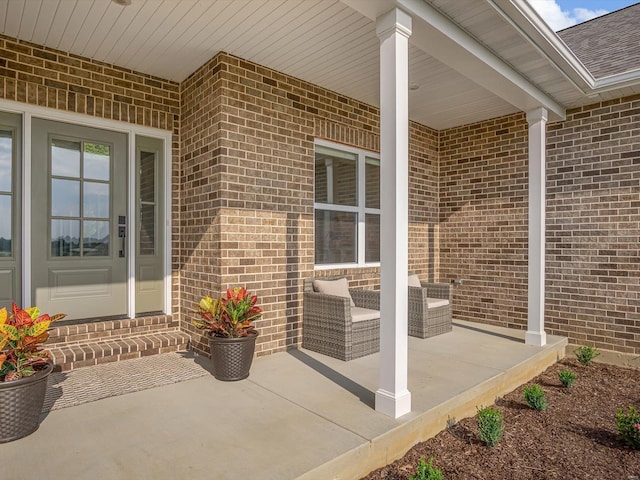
(575, 438)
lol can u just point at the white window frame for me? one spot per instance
(361, 210)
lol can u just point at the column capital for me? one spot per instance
(394, 21)
(536, 115)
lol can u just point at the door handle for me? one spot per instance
(122, 233)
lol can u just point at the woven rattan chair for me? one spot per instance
(428, 313)
(328, 327)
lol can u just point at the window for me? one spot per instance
(347, 205)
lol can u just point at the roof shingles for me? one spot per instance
(607, 45)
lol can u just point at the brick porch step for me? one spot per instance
(75, 346)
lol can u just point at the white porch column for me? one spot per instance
(393, 29)
(537, 120)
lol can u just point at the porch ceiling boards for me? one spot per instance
(331, 43)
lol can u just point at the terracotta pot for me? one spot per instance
(232, 357)
(21, 403)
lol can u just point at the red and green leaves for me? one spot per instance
(21, 335)
(230, 315)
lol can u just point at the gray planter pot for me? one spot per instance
(21, 403)
(232, 357)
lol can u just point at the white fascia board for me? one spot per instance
(526, 20)
(441, 38)
(528, 23)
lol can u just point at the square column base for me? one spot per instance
(537, 339)
(393, 405)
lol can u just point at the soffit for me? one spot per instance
(321, 41)
(324, 42)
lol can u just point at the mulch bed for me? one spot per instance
(575, 438)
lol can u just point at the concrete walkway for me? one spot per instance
(299, 415)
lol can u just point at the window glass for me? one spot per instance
(336, 177)
(95, 238)
(96, 161)
(65, 158)
(147, 188)
(65, 198)
(65, 238)
(372, 189)
(336, 237)
(6, 161)
(5, 225)
(372, 238)
(95, 200)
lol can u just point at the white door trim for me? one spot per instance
(28, 112)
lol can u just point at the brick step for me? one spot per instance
(61, 334)
(70, 356)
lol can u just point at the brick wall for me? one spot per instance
(593, 226)
(248, 173)
(50, 78)
(593, 223)
(483, 219)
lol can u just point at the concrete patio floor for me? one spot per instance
(300, 415)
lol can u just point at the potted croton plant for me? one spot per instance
(232, 336)
(24, 368)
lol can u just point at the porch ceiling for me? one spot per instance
(325, 42)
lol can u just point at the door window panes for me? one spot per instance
(5, 225)
(65, 238)
(96, 161)
(95, 239)
(65, 158)
(80, 203)
(6, 192)
(96, 200)
(6, 161)
(65, 198)
(147, 189)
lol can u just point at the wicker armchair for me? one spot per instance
(328, 327)
(427, 317)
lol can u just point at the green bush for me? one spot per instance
(535, 397)
(490, 425)
(427, 471)
(567, 377)
(586, 354)
(628, 424)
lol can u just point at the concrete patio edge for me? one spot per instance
(393, 444)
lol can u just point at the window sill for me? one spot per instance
(337, 266)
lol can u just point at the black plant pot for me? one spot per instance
(232, 357)
(21, 403)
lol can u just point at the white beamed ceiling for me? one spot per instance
(321, 41)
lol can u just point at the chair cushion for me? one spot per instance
(414, 281)
(359, 314)
(338, 288)
(437, 302)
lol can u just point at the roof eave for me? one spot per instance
(526, 20)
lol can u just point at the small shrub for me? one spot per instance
(490, 426)
(628, 425)
(586, 354)
(567, 377)
(535, 397)
(427, 471)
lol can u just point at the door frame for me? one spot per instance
(30, 111)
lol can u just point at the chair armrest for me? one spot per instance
(438, 290)
(328, 308)
(366, 298)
